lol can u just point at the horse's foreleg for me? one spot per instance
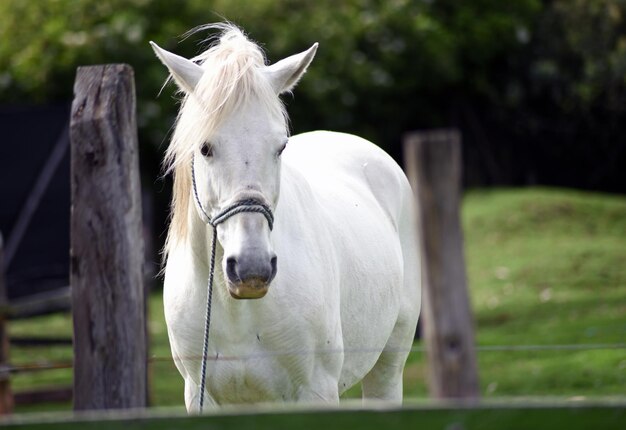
(192, 397)
(384, 381)
(320, 391)
(322, 386)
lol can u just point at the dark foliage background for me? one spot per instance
(538, 88)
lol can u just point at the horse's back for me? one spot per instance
(339, 162)
(369, 209)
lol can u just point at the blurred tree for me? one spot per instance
(42, 43)
(532, 84)
(575, 94)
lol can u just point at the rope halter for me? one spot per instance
(245, 205)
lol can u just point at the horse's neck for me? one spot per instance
(199, 238)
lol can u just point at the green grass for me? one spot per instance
(545, 267)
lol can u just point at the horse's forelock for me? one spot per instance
(232, 77)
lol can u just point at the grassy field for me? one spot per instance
(545, 266)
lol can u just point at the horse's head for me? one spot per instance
(232, 129)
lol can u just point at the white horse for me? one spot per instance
(337, 280)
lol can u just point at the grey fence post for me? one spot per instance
(107, 257)
(433, 164)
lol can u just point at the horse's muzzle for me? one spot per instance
(250, 278)
(250, 289)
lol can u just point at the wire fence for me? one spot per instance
(41, 365)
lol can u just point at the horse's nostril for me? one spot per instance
(231, 269)
(242, 269)
(273, 263)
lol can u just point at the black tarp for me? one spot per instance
(28, 136)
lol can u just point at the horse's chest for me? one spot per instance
(247, 380)
(250, 366)
(246, 362)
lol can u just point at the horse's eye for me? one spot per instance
(206, 150)
(282, 148)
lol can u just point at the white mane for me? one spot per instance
(232, 77)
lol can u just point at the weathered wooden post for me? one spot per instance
(6, 396)
(433, 164)
(107, 258)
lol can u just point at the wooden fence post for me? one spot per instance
(6, 396)
(106, 256)
(433, 164)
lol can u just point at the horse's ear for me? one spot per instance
(186, 73)
(285, 74)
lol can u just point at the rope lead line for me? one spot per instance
(207, 319)
(246, 205)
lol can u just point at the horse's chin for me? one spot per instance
(252, 289)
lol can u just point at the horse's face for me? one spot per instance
(240, 160)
